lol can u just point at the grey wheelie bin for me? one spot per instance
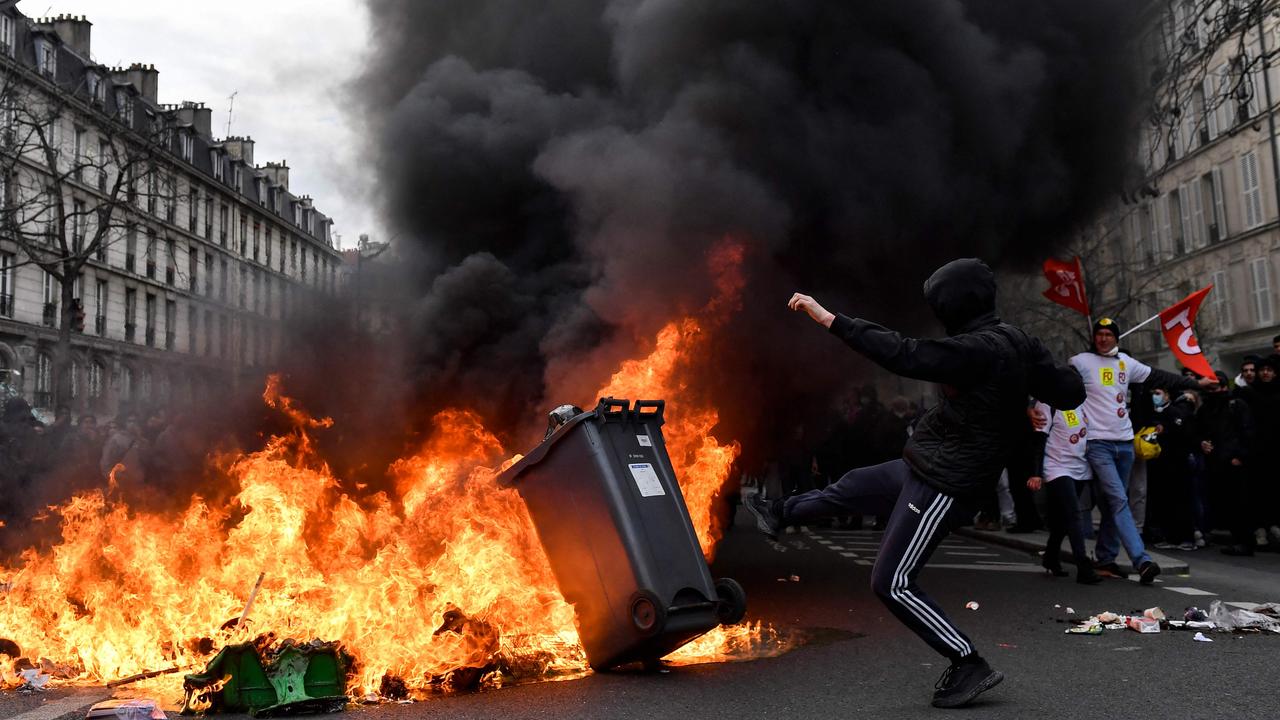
(611, 518)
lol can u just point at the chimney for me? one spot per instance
(199, 117)
(240, 148)
(74, 32)
(278, 173)
(146, 79)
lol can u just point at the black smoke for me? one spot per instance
(559, 172)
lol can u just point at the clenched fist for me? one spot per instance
(806, 303)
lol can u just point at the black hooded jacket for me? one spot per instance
(987, 368)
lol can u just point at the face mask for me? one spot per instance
(1158, 401)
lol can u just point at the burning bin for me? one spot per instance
(611, 518)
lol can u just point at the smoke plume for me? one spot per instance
(561, 171)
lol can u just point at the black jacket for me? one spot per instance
(987, 368)
(1227, 422)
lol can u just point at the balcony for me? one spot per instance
(6, 305)
(51, 314)
(151, 337)
(170, 340)
(100, 324)
(130, 331)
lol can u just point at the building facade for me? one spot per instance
(1209, 211)
(195, 287)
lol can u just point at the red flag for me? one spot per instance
(1066, 284)
(1177, 323)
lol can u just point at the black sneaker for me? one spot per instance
(768, 515)
(964, 681)
(1086, 575)
(1148, 572)
(1111, 570)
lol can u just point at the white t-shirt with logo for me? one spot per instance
(1106, 385)
(1064, 450)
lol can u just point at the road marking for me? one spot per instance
(849, 554)
(65, 706)
(971, 554)
(862, 562)
(1189, 590)
(999, 568)
(1243, 605)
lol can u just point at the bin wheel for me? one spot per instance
(647, 613)
(732, 605)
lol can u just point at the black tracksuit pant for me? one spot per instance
(919, 518)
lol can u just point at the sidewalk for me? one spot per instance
(1175, 564)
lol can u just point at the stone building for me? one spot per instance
(193, 292)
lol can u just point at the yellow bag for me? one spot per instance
(1146, 443)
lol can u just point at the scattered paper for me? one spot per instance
(1201, 638)
(795, 578)
(1071, 611)
(971, 605)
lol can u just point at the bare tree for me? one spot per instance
(65, 202)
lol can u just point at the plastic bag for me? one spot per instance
(1229, 619)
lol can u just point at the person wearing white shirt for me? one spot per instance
(1107, 373)
(1061, 467)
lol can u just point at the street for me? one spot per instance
(858, 661)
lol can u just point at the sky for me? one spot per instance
(286, 60)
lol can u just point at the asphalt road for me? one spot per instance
(859, 662)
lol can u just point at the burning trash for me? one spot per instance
(611, 517)
(264, 679)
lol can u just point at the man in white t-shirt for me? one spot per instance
(1107, 373)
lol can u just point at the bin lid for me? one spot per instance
(608, 409)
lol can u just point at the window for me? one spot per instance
(192, 318)
(46, 57)
(170, 324)
(244, 235)
(267, 247)
(193, 213)
(101, 293)
(124, 106)
(236, 177)
(130, 247)
(304, 264)
(257, 235)
(8, 34)
(297, 214)
(130, 314)
(244, 283)
(222, 289)
(6, 281)
(1250, 191)
(1220, 302)
(1260, 273)
(1217, 230)
(261, 183)
(126, 382)
(170, 261)
(282, 253)
(193, 266)
(186, 145)
(97, 88)
(223, 224)
(151, 254)
(151, 319)
(215, 159)
(80, 158)
(51, 294)
(208, 333)
(44, 380)
(208, 274)
(96, 374)
(79, 217)
(104, 155)
(293, 256)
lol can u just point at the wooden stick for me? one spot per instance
(252, 594)
(142, 676)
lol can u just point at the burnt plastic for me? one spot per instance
(613, 522)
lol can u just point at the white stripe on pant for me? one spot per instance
(924, 533)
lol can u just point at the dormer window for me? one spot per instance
(262, 191)
(124, 105)
(8, 34)
(46, 57)
(215, 159)
(311, 222)
(186, 145)
(97, 88)
(297, 214)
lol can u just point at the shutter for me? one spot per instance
(1185, 193)
(1219, 206)
(1255, 192)
(1226, 104)
(1165, 240)
(1246, 197)
(1210, 109)
(1198, 229)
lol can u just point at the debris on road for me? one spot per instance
(1220, 617)
(795, 578)
(1200, 637)
(1229, 619)
(1143, 624)
(131, 709)
(1071, 611)
(971, 605)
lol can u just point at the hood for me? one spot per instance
(962, 294)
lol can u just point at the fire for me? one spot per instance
(442, 574)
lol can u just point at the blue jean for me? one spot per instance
(1111, 461)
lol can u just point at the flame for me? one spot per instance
(443, 573)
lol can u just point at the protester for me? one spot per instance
(1169, 475)
(1226, 436)
(1107, 373)
(958, 449)
(125, 452)
(1248, 371)
(1264, 493)
(1059, 465)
